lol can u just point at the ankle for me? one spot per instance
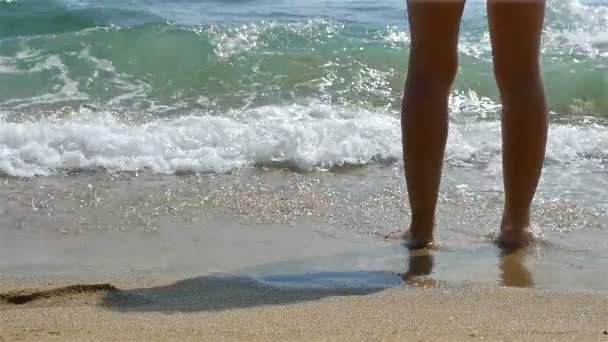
(423, 221)
(515, 223)
(511, 239)
(422, 229)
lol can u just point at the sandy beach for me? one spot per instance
(274, 256)
(234, 309)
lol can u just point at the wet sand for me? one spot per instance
(256, 222)
(282, 256)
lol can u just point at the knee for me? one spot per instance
(524, 93)
(519, 83)
(434, 72)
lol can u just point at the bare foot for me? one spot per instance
(399, 235)
(511, 238)
(412, 243)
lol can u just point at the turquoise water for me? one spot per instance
(222, 54)
(198, 87)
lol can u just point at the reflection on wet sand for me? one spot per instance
(420, 267)
(512, 269)
(513, 272)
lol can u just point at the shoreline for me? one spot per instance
(282, 256)
(279, 222)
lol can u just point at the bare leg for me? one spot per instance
(433, 63)
(515, 28)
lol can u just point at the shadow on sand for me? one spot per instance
(223, 292)
(216, 292)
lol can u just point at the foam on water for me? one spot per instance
(64, 89)
(572, 29)
(130, 98)
(577, 29)
(304, 136)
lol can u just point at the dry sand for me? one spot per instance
(217, 308)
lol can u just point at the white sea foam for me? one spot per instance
(231, 41)
(574, 28)
(577, 28)
(303, 136)
(63, 88)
